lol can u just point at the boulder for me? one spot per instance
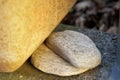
(24, 25)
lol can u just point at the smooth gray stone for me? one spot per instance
(75, 47)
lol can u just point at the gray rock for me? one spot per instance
(75, 47)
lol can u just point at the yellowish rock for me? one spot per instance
(24, 25)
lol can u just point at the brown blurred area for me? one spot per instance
(95, 14)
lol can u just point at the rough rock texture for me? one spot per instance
(24, 25)
(105, 42)
(75, 47)
(47, 61)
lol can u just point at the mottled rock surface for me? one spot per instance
(24, 25)
(105, 42)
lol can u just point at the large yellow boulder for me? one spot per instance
(24, 25)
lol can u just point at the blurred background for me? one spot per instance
(95, 14)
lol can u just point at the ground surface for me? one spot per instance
(105, 42)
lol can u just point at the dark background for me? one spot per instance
(95, 14)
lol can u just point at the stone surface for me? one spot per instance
(105, 42)
(47, 61)
(24, 25)
(75, 47)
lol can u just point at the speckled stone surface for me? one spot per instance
(105, 42)
(75, 47)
